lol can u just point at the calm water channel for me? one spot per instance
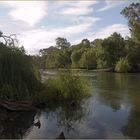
(112, 111)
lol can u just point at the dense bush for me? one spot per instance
(19, 80)
(67, 87)
(18, 77)
(122, 65)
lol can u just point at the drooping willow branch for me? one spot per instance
(9, 40)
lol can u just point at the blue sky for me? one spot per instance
(38, 23)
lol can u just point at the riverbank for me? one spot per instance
(54, 71)
(51, 71)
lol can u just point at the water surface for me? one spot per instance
(112, 111)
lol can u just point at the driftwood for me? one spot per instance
(19, 106)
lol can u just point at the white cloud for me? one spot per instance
(1, 26)
(76, 3)
(107, 31)
(111, 4)
(87, 19)
(36, 39)
(76, 11)
(30, 12)
(77, 8)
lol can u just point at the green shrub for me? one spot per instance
(18, 78)
(122, 65)
(67, 87)
(101, 64)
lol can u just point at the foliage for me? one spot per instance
(63, 59)
(114, 48)
(88, 59)
(132, 13)
(99, 53)
(67, 87)
(122, 65)
(18, 79)
(133, 52)
(75, 58)
(62, 43)
(85, 43)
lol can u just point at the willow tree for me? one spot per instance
(18, 79)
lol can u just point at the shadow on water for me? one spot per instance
(67, 112)
(18, 125)
(14, 125)
(132, 128)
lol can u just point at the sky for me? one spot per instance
(38, 23)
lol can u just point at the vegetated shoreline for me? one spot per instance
(33, 106)
(92, 70)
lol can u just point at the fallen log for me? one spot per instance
(18, 106)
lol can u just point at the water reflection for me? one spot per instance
(69, 116)
(116, 90)
(132, 128)
(110, 88)
(15, 125)
(113, 111)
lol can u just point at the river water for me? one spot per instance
(112, 111)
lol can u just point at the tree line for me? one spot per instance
(115, 52)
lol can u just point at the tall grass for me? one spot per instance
(18, 79)
(65, 86)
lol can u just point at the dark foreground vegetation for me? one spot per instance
(115, 52)
(21, 87)
(20, 80)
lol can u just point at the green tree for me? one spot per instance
(114, 46)
(75, 57)
(85, 43)
(46, 56)
(51, 58)
(97, 43)
(18, 79)
(101, 55)
(62, 43)
(63, 58)
(88, 59)
(132, 13)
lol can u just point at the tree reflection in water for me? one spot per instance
(132, 128)
(15, 125)
(68, 117)
(117, 89)
(110, 89)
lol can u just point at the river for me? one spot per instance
(112, 111)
